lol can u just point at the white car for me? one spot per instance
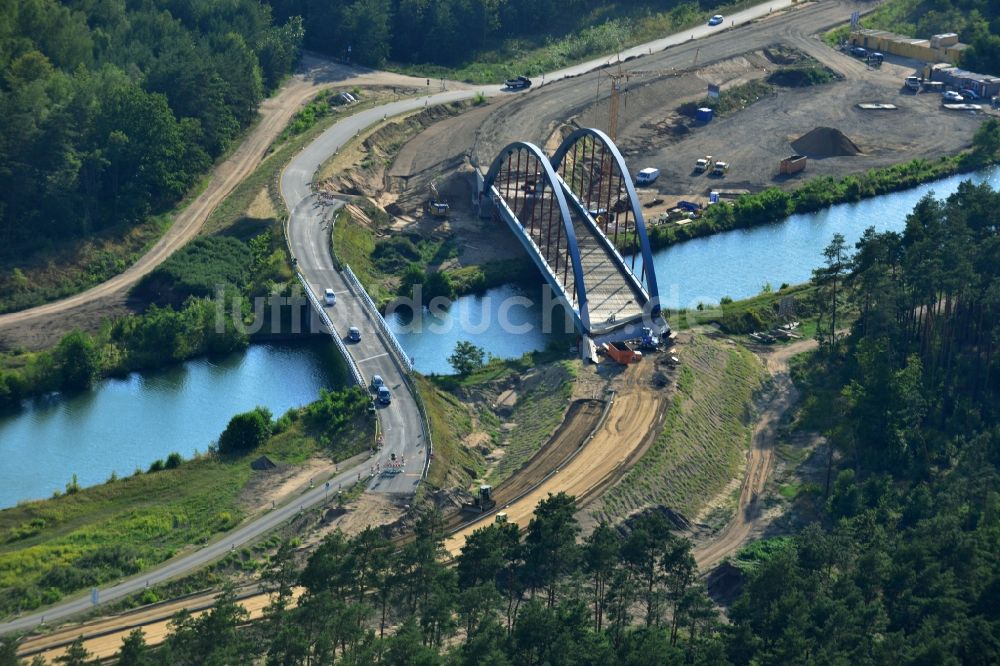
(951, 97)
(716, 20)
(330, 297)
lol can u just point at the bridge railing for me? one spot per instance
(379, 319)
(403, 359)
(325, 318)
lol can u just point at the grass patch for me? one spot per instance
(605, 30)
(449, 420)
(757, 553)
(704, 439)
(51, 548)
(537, 414)
(30, 276)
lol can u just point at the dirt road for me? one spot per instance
(43, 325)
(761, 460)
(629, 424)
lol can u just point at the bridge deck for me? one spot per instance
(611, 297)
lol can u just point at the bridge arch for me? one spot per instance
(529, 195)
(603, 185)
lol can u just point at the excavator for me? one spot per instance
(434, 205)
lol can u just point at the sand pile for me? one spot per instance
(825, 142)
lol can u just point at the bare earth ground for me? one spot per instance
(43, 325)
(760, 461)
(626, 430)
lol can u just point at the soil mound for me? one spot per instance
(825, 142)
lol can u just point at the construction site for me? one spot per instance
(725, 401)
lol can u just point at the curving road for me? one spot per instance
(309, 233)
(309, 240)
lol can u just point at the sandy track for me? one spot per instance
(43, 325)
(630, 420)
(580, 420)
(761, 461)
(154, 626)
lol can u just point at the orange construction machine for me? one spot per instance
(622, 352)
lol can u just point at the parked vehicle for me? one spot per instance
(716, 20)
(518, 83)
(622, 352)
(913, 83)
(330, 297)
(969, 94)
(703, 164)
(721, 168)
(647, 176)
(951, 97)
(858, 51)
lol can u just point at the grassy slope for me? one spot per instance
(150, 515)
(453, 464)
(537, 414)
(705, 436)
(614, 27)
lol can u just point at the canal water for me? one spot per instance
(127, 423)
(122, 424)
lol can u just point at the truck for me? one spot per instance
(792, 164)
(622, 352)
(913, 83)
(702, 164)
(720, 168)
(518, 83)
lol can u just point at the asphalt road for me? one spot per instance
(569, 93)
(309, 238)
(183, 565)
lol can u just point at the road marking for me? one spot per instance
(372, 358)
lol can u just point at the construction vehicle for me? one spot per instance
(622, 352)
(648, 339)
(518, 83)
(792, 164)
(720, 168)
(702, 164)
(434, 206)
(484, 501)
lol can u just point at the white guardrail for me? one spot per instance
(318, 309)
(404, 361)
(379, 319)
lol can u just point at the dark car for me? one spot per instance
(859, 52)
(353, 334)
(518, 83)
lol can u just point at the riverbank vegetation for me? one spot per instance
(199, 305)
(112, 114)
(390, 265)
(774, 204)
(486, 43)
(88, 536)
(468, 423)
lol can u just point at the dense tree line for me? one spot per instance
(112, 109)
(444, 32)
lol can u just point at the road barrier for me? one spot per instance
(379, 319)
(318, 309)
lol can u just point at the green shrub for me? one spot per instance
(246, 431)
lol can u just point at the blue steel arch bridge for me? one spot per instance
(579, 218)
